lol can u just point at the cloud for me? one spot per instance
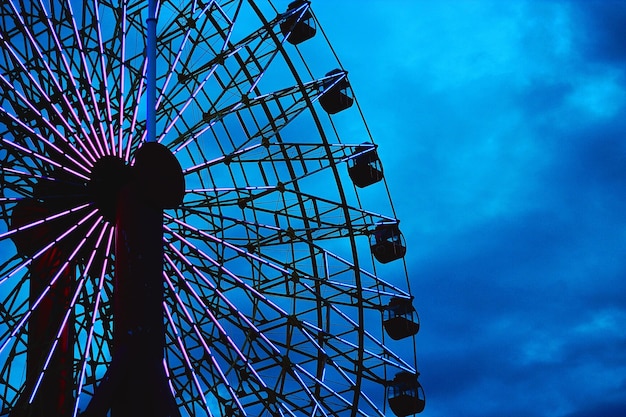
(602, 37)
(501, 127)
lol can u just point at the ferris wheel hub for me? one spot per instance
(108, 176)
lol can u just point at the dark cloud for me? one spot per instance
(505, 149)
(603, 29)
(601, 408)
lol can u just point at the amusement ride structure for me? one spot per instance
(182, 230)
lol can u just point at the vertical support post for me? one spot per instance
(54, 391)
(141, 388)
(136, 383)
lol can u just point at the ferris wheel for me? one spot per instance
(225, 266)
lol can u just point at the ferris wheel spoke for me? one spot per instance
(295, 347)
(20, 181)
(60, 269)
(283, 106)
(30, 110)
(43, 158)
(59, 153)
(57, 338)
(14, 300)
(196, 340)
(19, 176)
(88, 314)
(65, 23)
(305, 159)
(189, 367)
(233, 314)
(49, 218)
(335, 273)
(332, 400)
(52, 60)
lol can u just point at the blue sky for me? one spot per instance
(501, 127)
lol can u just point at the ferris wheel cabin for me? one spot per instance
(387, 243)
(337, 94)
(406, 395)
(401, 319)
(365, 167)
(299, 24)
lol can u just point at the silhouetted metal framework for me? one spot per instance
(226, 266)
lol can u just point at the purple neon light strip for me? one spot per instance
(87, 75)
(43, 158)
(4, 200)
(40, 55)
(230, 189)
(26, 316)
(70, 308)
(169, 379)
(234, 277)
(231, 306)
(68, 69)
(327, 387)
(181, 109)
(198, 332)
(212, 238)
(61, 117)
(94, 316)
(41, 221)
(122, 76)
(26, 174)
(188, 363)
(19, 122)
(304, 386)
(46, 122)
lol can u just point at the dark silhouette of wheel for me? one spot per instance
(282, 295)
